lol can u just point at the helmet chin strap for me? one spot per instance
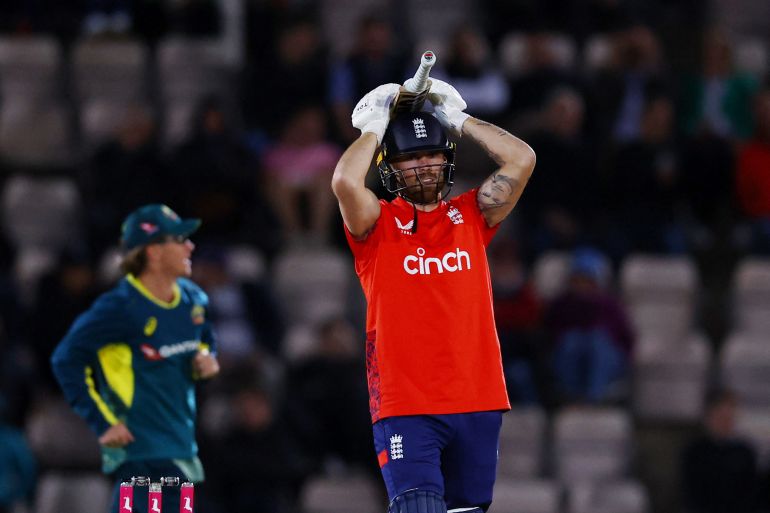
(414, 209)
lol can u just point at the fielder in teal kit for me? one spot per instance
(129, 364)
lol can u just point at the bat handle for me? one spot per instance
(415, 90)
(420, 81)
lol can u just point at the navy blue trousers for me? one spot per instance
(453, 455)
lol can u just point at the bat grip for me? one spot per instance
(420, 81)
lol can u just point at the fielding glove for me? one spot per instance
(372, 113)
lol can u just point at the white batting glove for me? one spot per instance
(448, 106)
(372, 113)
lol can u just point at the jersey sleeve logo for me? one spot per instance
(197, 314)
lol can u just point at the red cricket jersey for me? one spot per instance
(432, 345)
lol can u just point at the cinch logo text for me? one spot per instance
(451, 262)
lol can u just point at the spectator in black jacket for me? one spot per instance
(326, 397)
(719, 469)
(257, 465)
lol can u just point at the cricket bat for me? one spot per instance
(413, 93)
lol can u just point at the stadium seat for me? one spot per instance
(191, 69)
(597, 53)
(178, 120)
(671, 321)
(591, 444)
(751, 296)
(31, 264)
(526, 496)
(40, 211)
(661, 279)
(63, 491)
(754, 425)
(608, 497)
(30, 67)
(41, 217)
(745, 368)
(754, 318)
(341, 494)
(108, 269)
(549, 273)
(522, 439)
(35, 132)
(670, 378)
(102, 118)
(299, 342)
(312, 285)
(110, 69)
(564, 50)
(752, 277)
(660, 293)
(61, 439)
(514, 52)
(751, 56)
(245, 263)
(430, 19)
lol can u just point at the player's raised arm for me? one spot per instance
(502, 189)
(359, 206)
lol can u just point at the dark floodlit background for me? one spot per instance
(632, 282)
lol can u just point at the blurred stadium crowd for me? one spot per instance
(632, 286)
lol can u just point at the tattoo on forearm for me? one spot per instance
(497, 191)
(480, 140)
(500, 131)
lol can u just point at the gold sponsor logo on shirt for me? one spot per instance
(150, 326)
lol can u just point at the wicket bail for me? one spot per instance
(155, 494)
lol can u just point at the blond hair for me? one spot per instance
(134, 262)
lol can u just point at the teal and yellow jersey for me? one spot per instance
(129, 359)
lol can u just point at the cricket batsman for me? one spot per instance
(436, 385)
